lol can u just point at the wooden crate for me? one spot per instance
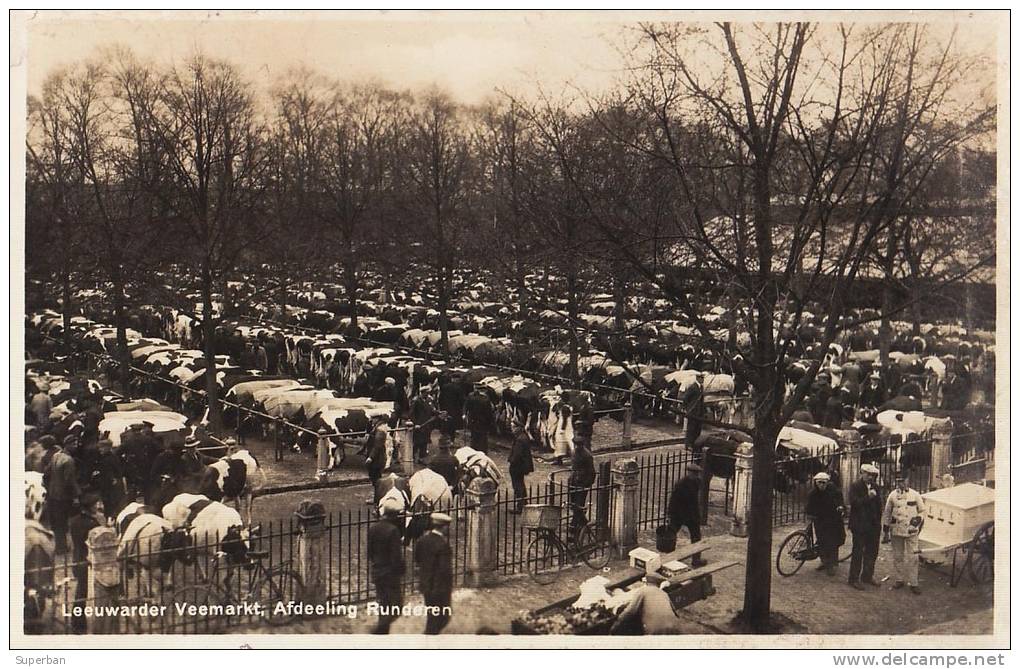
(954, 514)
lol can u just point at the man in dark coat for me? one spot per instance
(108, 478)
(480, 418)
(435, 564)
(824, 511)
(818, 400)
(168, 470)
(444, 463)
(693, 400)
(451, 401)
(62, 490)
(582, 477)
(685, 507)
(375, 461)
(865, 526)
(423, 416)
(91, 516)
(386, 560)
(520, 464)
(955, 392)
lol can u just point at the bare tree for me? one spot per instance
(790, 149)
(437, 175)
(205, 121)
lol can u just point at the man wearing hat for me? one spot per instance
(520, 464)
(685, 507)
(435, 564)
(108, 478)
(904, 515)
(375, 461)
(62, 490)
(479, 417)
(865, 525)
(91, 515)
(824, 511)
(444, 463)
(582, 477)
(386, 560)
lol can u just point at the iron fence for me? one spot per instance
(659, 472)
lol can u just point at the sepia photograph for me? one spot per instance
(509, 327)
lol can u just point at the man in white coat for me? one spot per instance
(904, 516)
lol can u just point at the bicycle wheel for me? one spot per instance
(276, 587)
(193, 610)
(592, 547)
(790, 557)
(543, 559)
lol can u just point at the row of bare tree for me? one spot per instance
(775, 164)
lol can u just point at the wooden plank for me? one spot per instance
(705, 571)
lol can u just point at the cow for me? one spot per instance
(149, 542)
(236, 476)
(215, 528)
(35, 496)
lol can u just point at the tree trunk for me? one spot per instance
(444, 305)
(65, 307)
(522, 300)
(120, 321)
(209, 346)
(758, 570)
(351, 285)
(572, 310)
(885, 332)
(619, 303)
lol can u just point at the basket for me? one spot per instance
(541, 515)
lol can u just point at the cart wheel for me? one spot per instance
(981, 554)
(792, 551)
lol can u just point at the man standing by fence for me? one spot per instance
(582, 477)
(865, 525)
(825, 512)
(386, 557)
(435, 562)
(685, 507)
(521, 464)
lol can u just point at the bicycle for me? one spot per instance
(799, 547)
(206, 606)
(547, 552)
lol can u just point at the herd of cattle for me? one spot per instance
(317, 368)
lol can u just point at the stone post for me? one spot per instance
(850, 442)
(482, 537)
(742, 480)
(628, 417)
(624, 514)
(312, 548)
(404, 449)
(322, 456)
(104, 578)
(941, 450)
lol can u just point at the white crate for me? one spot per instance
(954, 514)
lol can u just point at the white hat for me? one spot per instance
(870, 469)
(822, 476)
(390, 505)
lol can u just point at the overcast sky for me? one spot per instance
(468, 53)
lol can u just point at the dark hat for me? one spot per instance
(694, 467)
(88, 499)
(445, 441)
(899, 475)
(104, 442)
(70, 440)
(47, 440)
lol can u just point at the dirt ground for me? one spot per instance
(810, 601)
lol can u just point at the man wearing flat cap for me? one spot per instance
(865, 526)
(386, 560)
(904, 515)
(435, 564)
(824, 511)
